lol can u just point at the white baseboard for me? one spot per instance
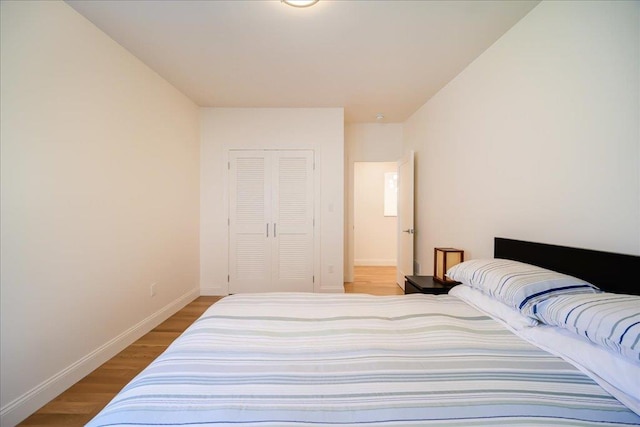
(375, 262)
(213, 291)
(25, 405)
(332, 289)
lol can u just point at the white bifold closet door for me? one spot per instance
(271, 221)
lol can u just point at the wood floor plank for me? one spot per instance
(59, 419)
(82, 401)
(66, 407)
(374, 280)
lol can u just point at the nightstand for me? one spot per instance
(425, 285)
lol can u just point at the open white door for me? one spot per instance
(405, 218)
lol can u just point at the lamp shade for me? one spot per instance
(443, 260)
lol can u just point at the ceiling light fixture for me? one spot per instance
(379, 116)
(300, 3)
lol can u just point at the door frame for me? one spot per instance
(349, 246)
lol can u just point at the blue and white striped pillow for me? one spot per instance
(517, 284)
(609, 320)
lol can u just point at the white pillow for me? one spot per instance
(496, 309)
(609, 320)
(517, 284)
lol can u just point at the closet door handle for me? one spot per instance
(274, 229)
(267, 229)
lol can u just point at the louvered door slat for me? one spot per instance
(250, 191)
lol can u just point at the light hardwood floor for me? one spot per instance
(374, 280)
(81, 402)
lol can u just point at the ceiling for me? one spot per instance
(369, 57)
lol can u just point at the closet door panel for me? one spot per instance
(292, 213)
(250, 221)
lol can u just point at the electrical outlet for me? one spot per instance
(152, 289)
(330, 269)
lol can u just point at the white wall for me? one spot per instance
(365, 142)
(375, 235)
(100, 198)
(320, 129)
(538, 139)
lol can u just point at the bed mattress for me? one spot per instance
(352, 360)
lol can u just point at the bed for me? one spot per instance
(290, 359)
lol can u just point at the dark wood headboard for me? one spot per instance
(609, 271)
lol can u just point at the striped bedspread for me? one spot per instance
(357, 360)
